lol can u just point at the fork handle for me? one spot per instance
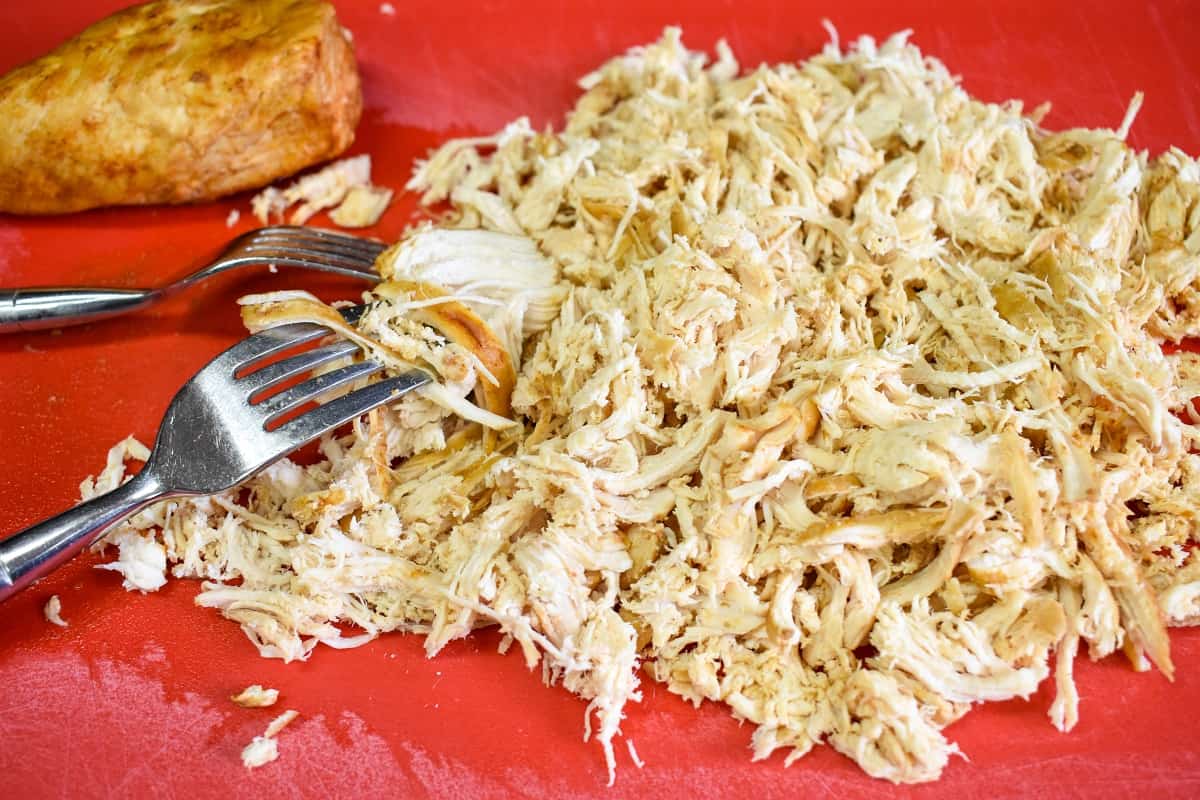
(37, 309)
(35, 551)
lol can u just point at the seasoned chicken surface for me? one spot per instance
(824, 391)
(177, 101)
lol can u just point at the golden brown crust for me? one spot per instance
(173, 102)
(463, 326)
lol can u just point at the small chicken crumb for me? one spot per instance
(255, 697)
(232, 219)
(281, 722)
(262, 750)
(363, 207)
(53, 611)
(387, 9)
(333, 187)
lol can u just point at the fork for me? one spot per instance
(221, 429)
(287, 245)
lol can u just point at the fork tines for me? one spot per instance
(288, 244)
(349, 406)
(273, 396)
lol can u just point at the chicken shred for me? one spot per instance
(52, 611)
(343, 186)
(261, 750)
(264, 749)
(256, 696)
(839, 398)
(280, 722)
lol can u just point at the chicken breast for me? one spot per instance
(177, 101)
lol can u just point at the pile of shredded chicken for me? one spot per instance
(823, 391)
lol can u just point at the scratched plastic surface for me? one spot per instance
(132, 699)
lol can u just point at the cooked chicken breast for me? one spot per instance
(174, 102)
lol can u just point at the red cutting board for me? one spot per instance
(131, 699)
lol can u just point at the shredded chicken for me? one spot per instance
(823, 391)
(344, 186)
(53, 612)
(256, 697)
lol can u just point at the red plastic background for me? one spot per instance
(131, 699)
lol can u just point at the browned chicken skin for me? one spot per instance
(175, 102)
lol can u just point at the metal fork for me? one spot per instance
(285, 245)
(219, 431)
